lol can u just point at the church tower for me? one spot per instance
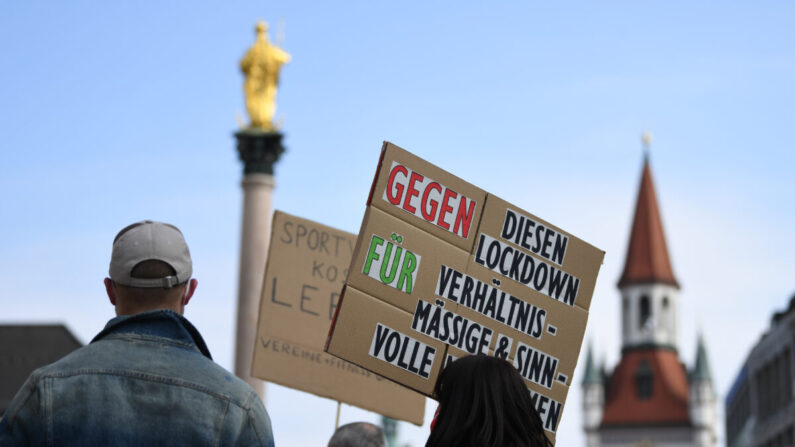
(649, 290)
(649, 398)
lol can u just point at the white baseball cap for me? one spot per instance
(150, 241)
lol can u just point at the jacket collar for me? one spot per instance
(159, 323)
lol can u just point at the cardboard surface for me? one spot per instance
(510, 285)
(375, 273)
(383, 333)
(564, 256)
(307, 263)
(551, 327)
(427, 196)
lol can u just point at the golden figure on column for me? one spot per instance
(261, 66)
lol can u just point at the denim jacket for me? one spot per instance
(145, 380)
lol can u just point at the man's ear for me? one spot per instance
(190, 288)
(110, 290)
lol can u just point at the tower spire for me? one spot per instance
(647, 255)
(701, 370)
(592, 375)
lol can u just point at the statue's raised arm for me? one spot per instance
(261, 66)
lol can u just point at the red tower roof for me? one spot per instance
(666, 404)
(647, 256)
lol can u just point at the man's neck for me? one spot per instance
(123, 309)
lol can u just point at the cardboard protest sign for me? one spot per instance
(442, 269)
(307, 263)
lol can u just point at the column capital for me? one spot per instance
(259, 150)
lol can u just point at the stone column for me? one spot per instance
(259, 150)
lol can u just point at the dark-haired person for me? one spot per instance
(147, 378)
(358, 434)
(483, 402)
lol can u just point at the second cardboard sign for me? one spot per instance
(307, 263)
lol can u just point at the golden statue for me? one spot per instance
(261, 66)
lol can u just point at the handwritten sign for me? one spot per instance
(307, 263)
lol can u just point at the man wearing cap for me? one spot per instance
(147, 378)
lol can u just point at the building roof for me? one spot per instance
(739, 382)
(592, 374)
(701, 371)
(647, 256)
(667, 404)
(23, 348)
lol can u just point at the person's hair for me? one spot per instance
(484, 402)
(358, 434)
(146, 296)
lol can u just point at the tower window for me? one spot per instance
(645, 311)
(643, 380)
(625, 315)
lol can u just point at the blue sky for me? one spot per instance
(118, 111)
